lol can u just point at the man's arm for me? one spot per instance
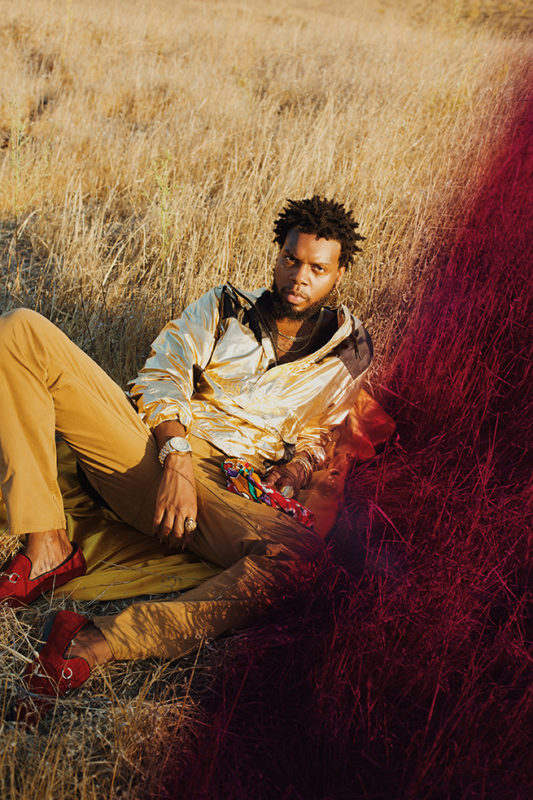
(163, 390)
(176, 498)
(165, 385)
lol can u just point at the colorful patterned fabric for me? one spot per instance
(243, 480)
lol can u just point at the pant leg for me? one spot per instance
(267, 556)
(48, 384)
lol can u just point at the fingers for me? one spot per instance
(176, 501)
(158, 519)
(187, 536)
(272, 478)
(171, 530)
(283, 478)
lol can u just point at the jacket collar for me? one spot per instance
(347, 322)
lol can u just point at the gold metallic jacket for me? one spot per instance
(215, 369)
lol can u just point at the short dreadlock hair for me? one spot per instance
(327, 219)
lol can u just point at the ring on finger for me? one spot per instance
(288, 491)
(190, 525)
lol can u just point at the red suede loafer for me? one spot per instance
(51, 675)
(17, 589)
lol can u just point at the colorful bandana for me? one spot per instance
(243, 480)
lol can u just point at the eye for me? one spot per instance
(289, 259)
(318, 269)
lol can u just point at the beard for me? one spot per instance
(281, 309)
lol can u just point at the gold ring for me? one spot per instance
(288, 492)
(190, 525)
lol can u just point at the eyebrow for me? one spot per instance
(313, 264)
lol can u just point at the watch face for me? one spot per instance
(179, 444)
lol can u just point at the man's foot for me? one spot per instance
(52, 674)
(46, 550)
(73, 646)
(91, 645)
(18, 589)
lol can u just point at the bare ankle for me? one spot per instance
(91, 645)
(47, 550)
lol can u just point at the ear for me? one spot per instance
(340, 275)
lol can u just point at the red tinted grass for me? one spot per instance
(407, 673)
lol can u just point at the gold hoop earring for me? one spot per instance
(335, 299)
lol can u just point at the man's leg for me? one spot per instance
(52, 385)
(267, 555)
(48, 384)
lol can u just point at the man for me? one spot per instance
(259, 376)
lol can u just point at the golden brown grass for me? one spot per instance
(146, 148)
(148, 151)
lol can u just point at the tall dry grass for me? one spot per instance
(146, 149)
(149, 149)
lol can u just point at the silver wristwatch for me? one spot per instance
(178, 444)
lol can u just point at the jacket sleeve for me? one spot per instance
(314, 436)
(165, 385)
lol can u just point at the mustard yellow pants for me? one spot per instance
(49, 385)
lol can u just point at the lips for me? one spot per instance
(293, 297)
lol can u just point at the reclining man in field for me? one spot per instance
(259, 377)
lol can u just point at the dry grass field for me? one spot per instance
(145, 149)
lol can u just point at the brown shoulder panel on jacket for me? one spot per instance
(355, 351)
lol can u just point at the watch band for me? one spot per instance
(177, 444)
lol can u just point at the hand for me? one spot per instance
(292, 475)
(176, 500)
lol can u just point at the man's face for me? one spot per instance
(307, 270)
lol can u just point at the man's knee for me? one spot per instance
(302, 547)
(27, 336)
(19, 320)
(295, 564)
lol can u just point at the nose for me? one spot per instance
(300, 274)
